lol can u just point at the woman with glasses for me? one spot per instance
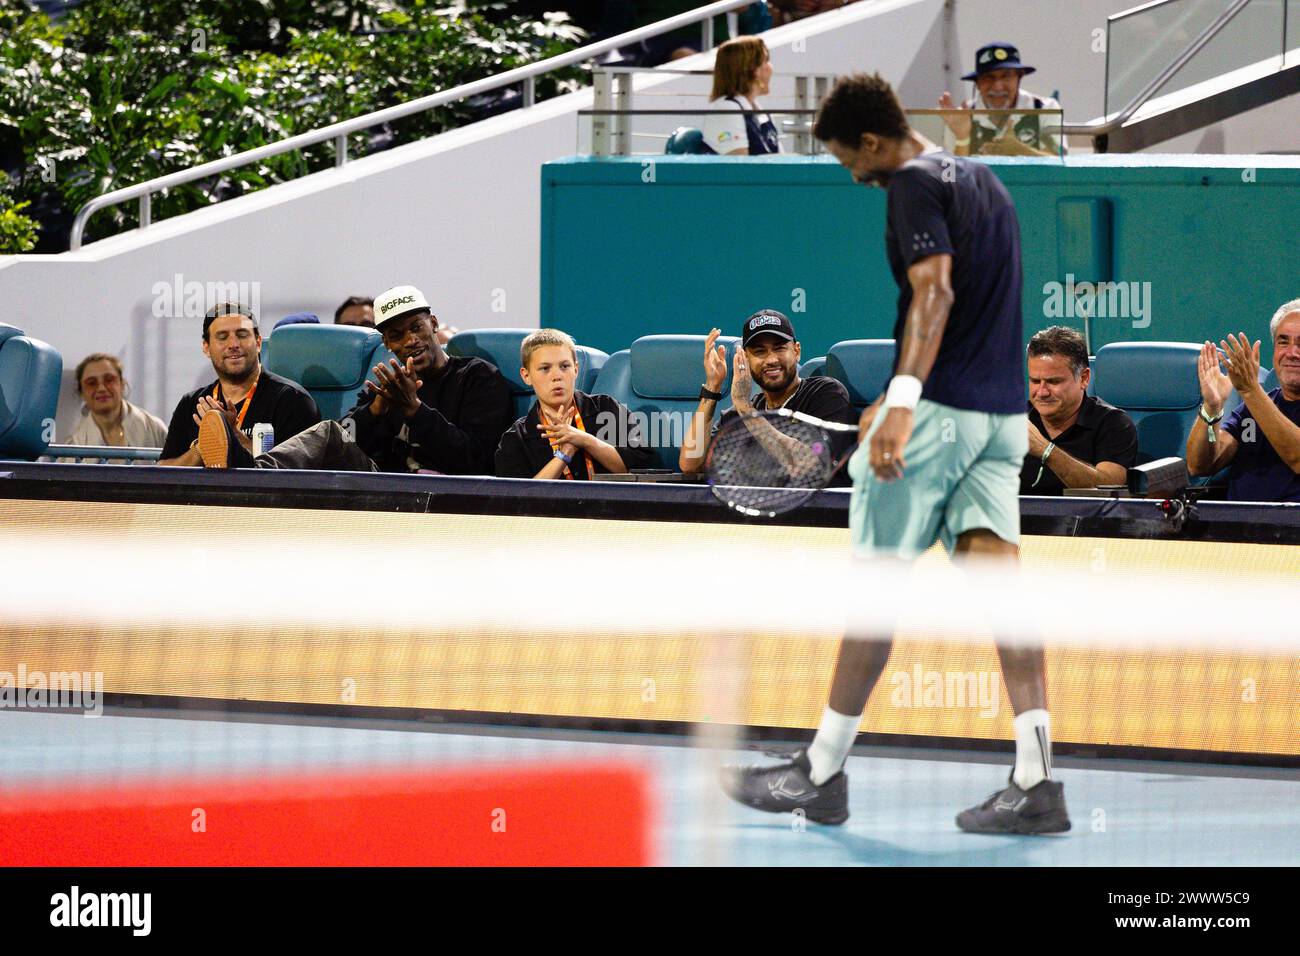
(107, 418)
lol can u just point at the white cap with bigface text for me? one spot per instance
(399, 301)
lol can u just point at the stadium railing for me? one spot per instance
(338, 133)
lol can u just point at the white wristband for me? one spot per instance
(904, 392)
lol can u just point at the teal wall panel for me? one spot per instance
(632, 247)
(1083, 238)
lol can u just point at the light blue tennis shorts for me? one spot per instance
(961, 472)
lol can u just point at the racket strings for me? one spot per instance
(764, 464)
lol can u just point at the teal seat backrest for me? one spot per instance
(685, 141)
(813, 367)
(1157, 384)
(30, 375)
(330, 361)
(660, 377)
(501, 348)
(863, 366)
(615, 379)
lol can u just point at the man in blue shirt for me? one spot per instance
(940, 453)
(1260, 439)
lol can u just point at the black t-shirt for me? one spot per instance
(1102, 432)
(938, 203)
(284, 405)
(1258, 472)
(464, 409)
(822, 397)
(524, 451)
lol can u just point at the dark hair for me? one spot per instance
(1063, 341)
(227, 308)
(860, 103)
(349, 302)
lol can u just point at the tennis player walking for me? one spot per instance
(941, 450)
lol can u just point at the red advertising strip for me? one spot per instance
(506, 815)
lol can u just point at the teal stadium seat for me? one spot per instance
(501, 348)
(1270, 381)
(813, 367)
(686, 141)
(863, 366)
(381, 354)
(330, 361)
(30, 375)
(660, 377)
(1157, 384)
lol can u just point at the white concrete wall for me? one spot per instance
(1274, 128)
(458, 215)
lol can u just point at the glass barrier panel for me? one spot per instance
(992, 132)
(1292, 46)
(961, 132)
(1141, 44)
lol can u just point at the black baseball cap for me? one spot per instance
(767, 322)
(228, 308)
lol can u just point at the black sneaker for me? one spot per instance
(1040, 809)
(219, 446)
(786, 787)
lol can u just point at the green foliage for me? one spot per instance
(17, 232)
(121, 92)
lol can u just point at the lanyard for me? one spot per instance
(248, 401)
(577, 421)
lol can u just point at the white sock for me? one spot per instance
(1033, 749)
(830, 748)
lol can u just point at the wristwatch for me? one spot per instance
(706, 393)
(567, 459)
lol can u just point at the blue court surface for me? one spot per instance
(1125, 813)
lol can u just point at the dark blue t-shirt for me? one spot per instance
(938, 203)
(1257, 472)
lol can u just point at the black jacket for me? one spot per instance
(284, 405)
(463, 411)
(524, 451)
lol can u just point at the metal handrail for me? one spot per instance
(341, 130)
(127, 452)
(1106, 126)
(1140, 8)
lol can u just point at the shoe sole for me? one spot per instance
(825, 819)
(831, 818)
(829, 821)
(214, 444)
(1036, 826)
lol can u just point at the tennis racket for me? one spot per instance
(767, 463)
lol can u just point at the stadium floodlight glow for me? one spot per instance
(863, 597)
